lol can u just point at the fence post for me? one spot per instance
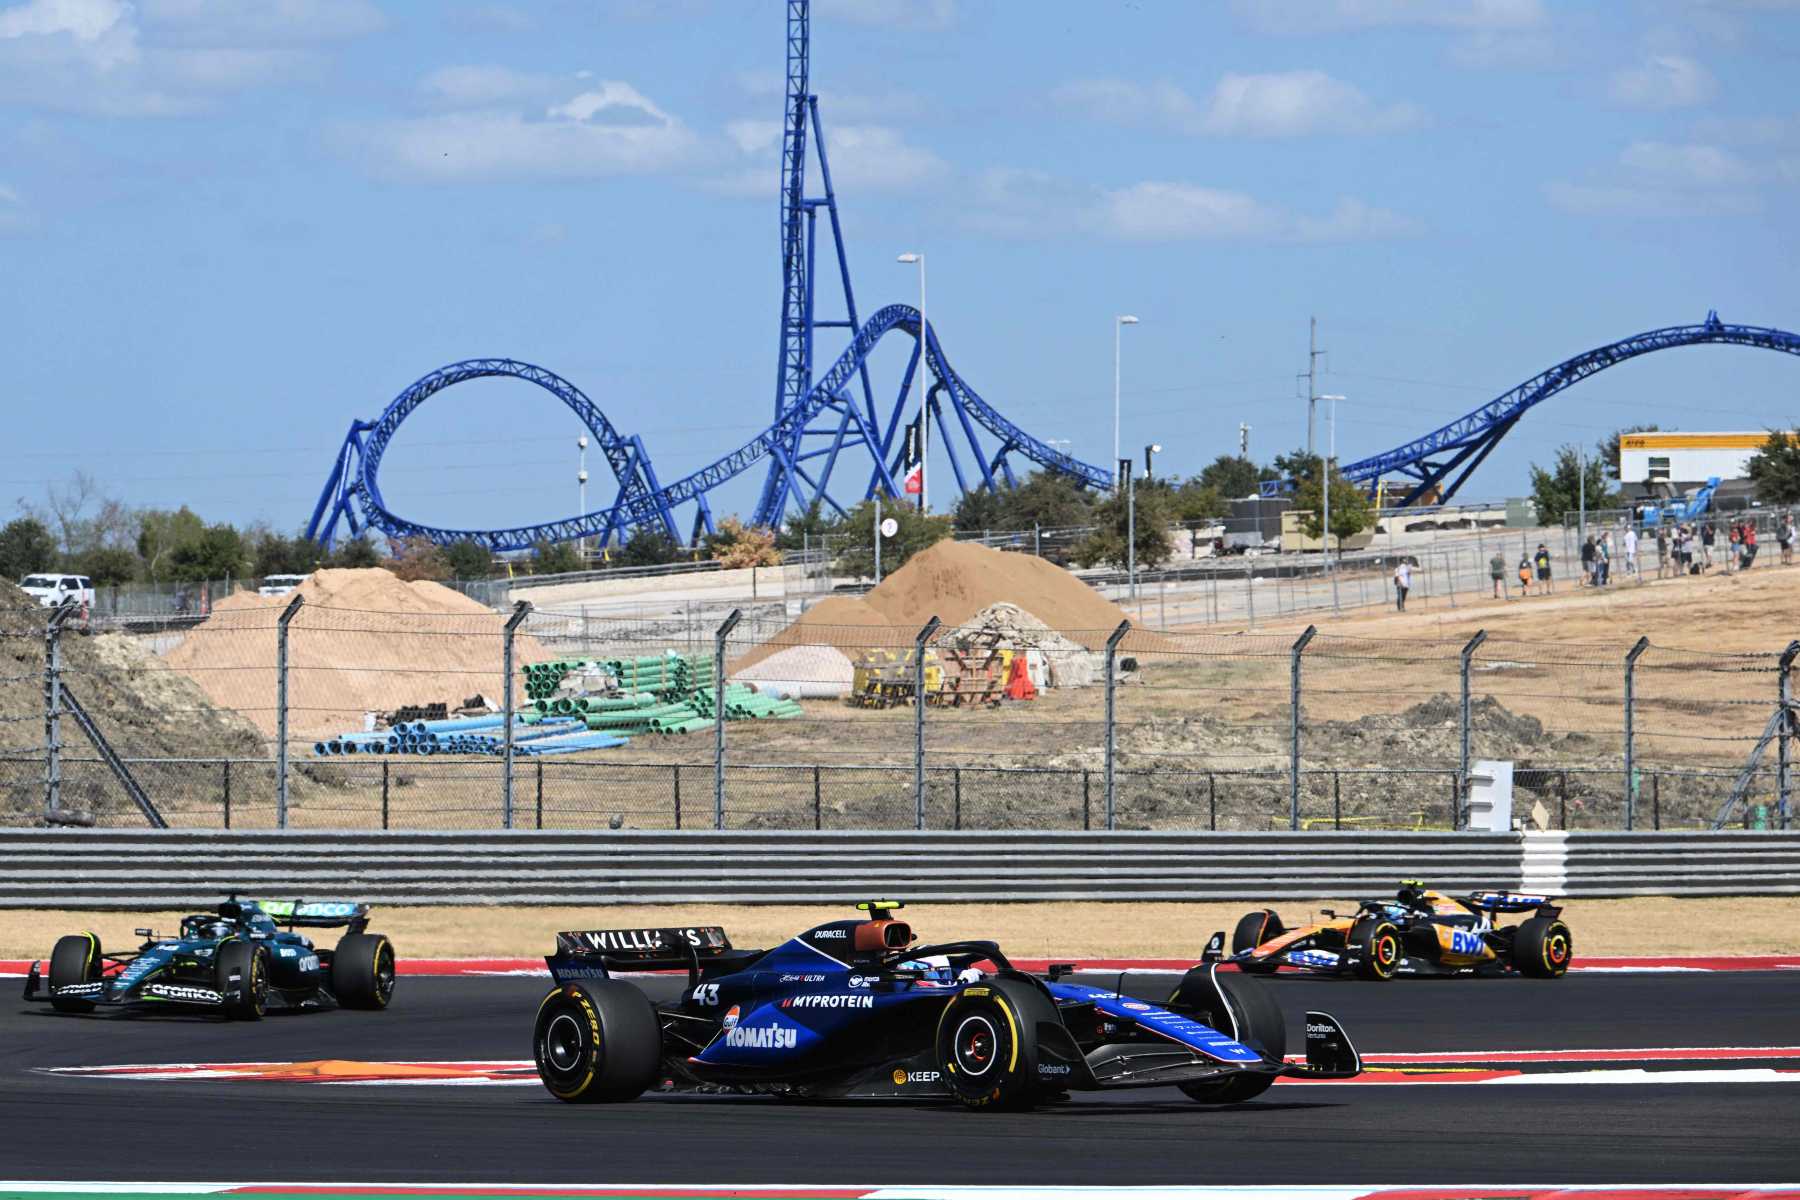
(719, 635)
(1462, 774)
(521, 610)
(1212, 803)
(281, 708)
(924, 636)
(1087, 800)
(818, 801)
(1787, 725)
(1250, 590)
(1299, 648)
(227, 796)
(1631, 659)
(956, 809)
(1112, 724)
(53, 710)
(675, 773)
(539, 764)
(384, 793)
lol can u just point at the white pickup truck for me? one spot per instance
(54, 589)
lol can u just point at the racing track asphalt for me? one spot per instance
(92, 1129)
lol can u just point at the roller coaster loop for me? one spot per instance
(1461, 445)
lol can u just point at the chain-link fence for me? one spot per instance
(309, 716)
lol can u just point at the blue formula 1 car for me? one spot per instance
(237, 962)
(854, 1009)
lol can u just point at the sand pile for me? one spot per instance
(955, 582)
(364, 642)
(1069, 663)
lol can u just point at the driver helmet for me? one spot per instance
(1412, 893)
(217, 929)
(934, 971)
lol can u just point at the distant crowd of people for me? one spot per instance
(1690, 548)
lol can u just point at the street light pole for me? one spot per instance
(924, 361)
(1330, 454)
(1119, 324)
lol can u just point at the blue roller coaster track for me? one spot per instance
(820, 426)
(1458, 448)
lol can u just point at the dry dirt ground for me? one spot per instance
(1649, 925)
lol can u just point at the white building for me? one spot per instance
(1658, 462)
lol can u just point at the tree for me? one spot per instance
(468, 559)
(804, 529)
(1296, 464)
(1559, 490)
(648, 547)
(217, 554)
(1233, 476)
(737, 546)
(25, 547)
(357, 553)
(1196, 500)
(1607, 448)
(108, 566)
(1108, 541)
(418, 558)
(1351, 510)
(981, 510)
(1048, 500)
(556, 558)
(276, 554)
(159, 534)
(1775, 469)
(854, 538)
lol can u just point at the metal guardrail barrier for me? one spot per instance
(137, 869)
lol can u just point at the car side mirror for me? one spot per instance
(1330, 912)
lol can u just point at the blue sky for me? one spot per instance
(228, 227)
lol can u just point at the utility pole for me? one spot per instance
(1243, 440)
(1312, 382)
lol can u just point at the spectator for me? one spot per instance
(1662, 552)
(1402, 583)
(1749, 543)
(1734, 548)
(1524, 576)
(1784, 536)
(1603, 560)
(1684, 550)
(1708, 534)
(1497, 572)
(1542, 561)
(1588, 556)
(1631, 549)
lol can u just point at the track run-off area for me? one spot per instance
(1631, 1075)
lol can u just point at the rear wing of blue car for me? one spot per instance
(314, 914)
(1511, 902)
(593, 953)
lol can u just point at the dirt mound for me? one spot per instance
(365, 641)
(955, 582)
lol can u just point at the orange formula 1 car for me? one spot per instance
(1419, 932)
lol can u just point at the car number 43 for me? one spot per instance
(707, 995)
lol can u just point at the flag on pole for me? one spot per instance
(913, 483)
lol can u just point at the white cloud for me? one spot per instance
(14, 216)
(1687, 165)
(1283, 104)
(896, 14)
(1662, 81)
(864, 158)
(475, 86)
(608, 129)
(1300, 17)
(1178, 211)
(162, 57)
(1024, 203)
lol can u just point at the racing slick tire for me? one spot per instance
(362, 971)
(1254, 1015)
(597, 1041)
(74, 960)
(1541, 948)
(250, 964)
(1253, 929)
(987, 1045)
(1379, 944)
